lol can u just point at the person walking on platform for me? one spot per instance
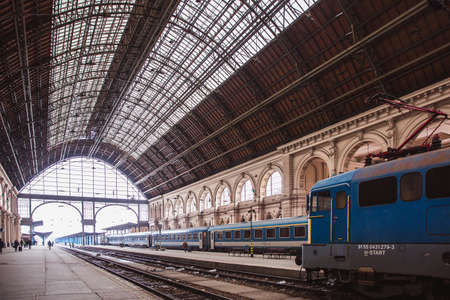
(15, 245)
(185, 246)
(21, 245)
(1, 246)
(49, 245)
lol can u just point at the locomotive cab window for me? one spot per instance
(438, 182)
(321, 201)
(411, 186)
(378, 191)
(341, 199)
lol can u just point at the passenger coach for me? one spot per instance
(277, 234)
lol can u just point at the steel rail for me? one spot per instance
(178, 284)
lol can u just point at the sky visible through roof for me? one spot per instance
(203, 44)
(82, 177)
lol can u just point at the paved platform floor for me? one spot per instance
(283, 267)
(41, 274)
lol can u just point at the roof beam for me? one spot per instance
(22, 46)
(401, 19)
(80, 199)
(131, 68)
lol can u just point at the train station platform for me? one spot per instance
(42, 274)
(283, 266)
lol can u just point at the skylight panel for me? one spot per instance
(203, 44)
(79, 59)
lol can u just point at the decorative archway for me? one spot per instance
(358, 148)
(245, 188)
(223, 187)
(206, 199)
(264, 179)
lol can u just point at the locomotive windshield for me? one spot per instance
(321, 201)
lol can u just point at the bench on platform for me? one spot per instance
(239, 252)
(275, 253)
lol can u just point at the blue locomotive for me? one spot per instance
(384, 223)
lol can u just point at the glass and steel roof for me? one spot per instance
(85, 36)
(84, 177)
(201, 46)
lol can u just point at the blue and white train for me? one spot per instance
(383, 224)
(281, 235)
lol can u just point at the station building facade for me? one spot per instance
(275, 185)
(9, 215)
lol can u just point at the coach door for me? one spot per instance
(339, 214)
(212, 234)
(200, 241)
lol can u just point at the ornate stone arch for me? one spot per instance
(304, 164)
(218, 192)
(355, 143)
(203, 193)
(265, 175)
(240, 183)
(179, 206)
(168, 209)
(191, 197)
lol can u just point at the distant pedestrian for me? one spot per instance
(185, 246)
(1, 246)
(16, 245)
(20, 245)
(49, 245)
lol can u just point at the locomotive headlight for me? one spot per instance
(446, 258)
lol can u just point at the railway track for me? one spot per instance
(163, 287)
(287, 285)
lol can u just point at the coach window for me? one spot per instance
(271, 233)
(247, 234)
(237, 235)
(321, 201)
(411, 186)
(258, 234)
(341, 199)
(228, 235)
(219, 235)
(299, 231)
(189, 236)
(378, 191)
(438, 182)
(284, 232)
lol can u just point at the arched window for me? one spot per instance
(247, 192)
(208, 201)
(273, 186)
(225, 198)
(169, 210)
(179, 208)
(191, 207)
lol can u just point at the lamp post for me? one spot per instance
(251, 211)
